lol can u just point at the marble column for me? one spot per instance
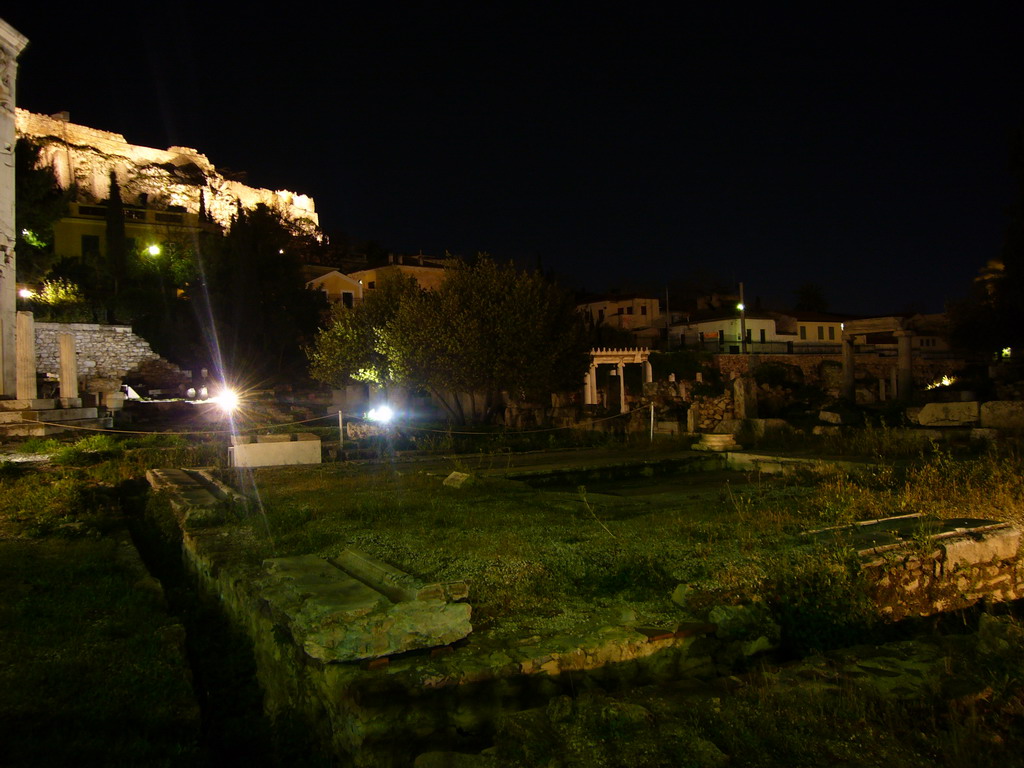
(620, 369)
(68, 370)
(648, 372)
(11, 44)
(848, 369)
(905, 378)
(26, 357)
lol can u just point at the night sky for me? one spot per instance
(864, 147)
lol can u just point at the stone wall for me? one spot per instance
(107, 354)
(826, 370)
(952, 573)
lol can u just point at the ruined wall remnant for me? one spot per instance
(106, 355)
(177, 176)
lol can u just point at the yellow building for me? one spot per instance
(82, 232)
(428, 272)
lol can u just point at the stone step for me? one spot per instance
(41, 429)
(52, 415)
(37, 404)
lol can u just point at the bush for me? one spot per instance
(819, 599)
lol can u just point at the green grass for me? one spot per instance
(91, 671)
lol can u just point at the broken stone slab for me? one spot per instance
(458, 479)
(336, 617)
(949, 414)
(1002, 414)
(830, 417)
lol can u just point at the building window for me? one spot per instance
(619, 312)
(629, 310)
(643, 310)
(90, 245)
(347, 298)
(831, 333)
(762, 335)
(372, 284)
(803, 333)
(821, 333)
(600, 315)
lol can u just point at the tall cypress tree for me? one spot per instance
(117, 247)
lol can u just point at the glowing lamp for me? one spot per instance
(153, 250)
(227, 400)
(382, 414)
(740, 307)
(26, 293)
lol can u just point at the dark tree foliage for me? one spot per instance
(259, 314)
(117, 250)
(39, 204)
(992, 317)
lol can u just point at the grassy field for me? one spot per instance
(539, 562)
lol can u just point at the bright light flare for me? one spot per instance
(26, 293)
(945, 381)
(382, 414)
(153, 250)
(228, 400)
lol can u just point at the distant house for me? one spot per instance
(625, 312)
(340, 288)
(818, 327)
(428, 272)
(723, 330)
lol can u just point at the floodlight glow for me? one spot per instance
(740, 307)
(26, 293)
(383, 414)
(1006, 351)
(153, 250)
(227, 400)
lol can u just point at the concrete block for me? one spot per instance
(261, 454)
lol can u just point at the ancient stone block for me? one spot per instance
(1003, 414)
(948, 415)
(1000, 544)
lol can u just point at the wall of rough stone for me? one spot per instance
(951, 574)
(106, 354)
(825, 370)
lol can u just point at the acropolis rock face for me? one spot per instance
(175, 176)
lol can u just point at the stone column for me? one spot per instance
(905, 383)
(881, 389)
(848, 369)
(26, 356)
(648, 372)
(620, 368)
(11, 44)
(590, 386)
(68, 372)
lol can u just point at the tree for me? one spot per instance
(356, 344)
(39, 204)
(488, 329)
(992, 317)
(253, 305)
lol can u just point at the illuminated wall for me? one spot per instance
(177, 176)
